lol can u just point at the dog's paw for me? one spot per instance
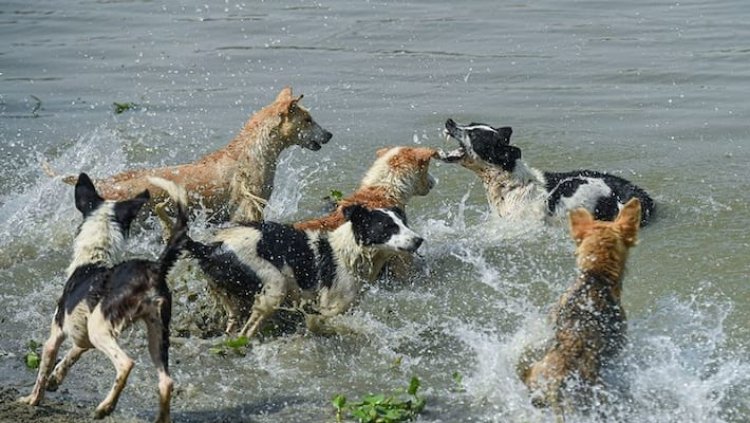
(30, 399)
(103, 410)
(52, 384)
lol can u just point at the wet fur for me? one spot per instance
(589, 321)
(517, 191)
(398, 174)
(237, 180)
(102, 297)
(257, 267)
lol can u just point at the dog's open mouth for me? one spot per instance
(453, 155)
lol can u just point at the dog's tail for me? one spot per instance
(179, 238)
(52, 173)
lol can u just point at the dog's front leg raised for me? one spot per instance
(49, 354)
(61, 370)
(266, 303)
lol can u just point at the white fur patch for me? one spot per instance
(100, 239)
(405, 239)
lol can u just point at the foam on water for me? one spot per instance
(479, 297)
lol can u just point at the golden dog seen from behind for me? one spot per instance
(589, 321)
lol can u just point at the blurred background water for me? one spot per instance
(654, 91)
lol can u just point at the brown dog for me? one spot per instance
(398, 174)
(589, 320)
(236, 180)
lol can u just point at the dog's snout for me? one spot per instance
(450, 124)
(327, 136)
(417, 243)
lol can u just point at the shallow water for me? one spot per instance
(653, 91)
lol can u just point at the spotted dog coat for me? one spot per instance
(589, 320)
(397, 175)
(256, 267)
(102, 297)
(516, 190)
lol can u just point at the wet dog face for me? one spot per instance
(481, 146)
(298, 126)
(382, 228)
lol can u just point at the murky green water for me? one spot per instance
(653, 91)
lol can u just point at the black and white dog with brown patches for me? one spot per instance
(517, 191)
(256, 267)
(102, 296)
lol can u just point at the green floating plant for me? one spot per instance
(123, 107)
(31, 358)
(381, 408)
(235, 345)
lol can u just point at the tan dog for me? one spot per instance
(398, 174)
(237, 179)
(589, 320)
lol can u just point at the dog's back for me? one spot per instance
(589, 320)
(601, 193)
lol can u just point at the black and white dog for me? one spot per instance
(255, 267)
(103, 296)
(516, 190)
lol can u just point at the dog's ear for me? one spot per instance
(285, 95)
(382, 151)
(126, 211)
(629, 221)
(353, 212)
(424, 154)
(87, 199)
(505, 133)
(581, 221)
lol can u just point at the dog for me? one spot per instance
(257, 266)
(517, 191)
(589, 320)
(398, 174)
(102, 297)
(236, 181)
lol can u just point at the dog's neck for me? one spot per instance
(256, 153)
(519, 191)
(355, 259)
(394, 189)
(99, 240)
(606, 265)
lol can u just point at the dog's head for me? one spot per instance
(601, 243)
(91, 204)
(382, 228)
(481, 146)
(297, 125)
(404, 171)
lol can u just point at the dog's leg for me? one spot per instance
(100, 334)
(266, 303)
(61, 370)
(158, 348)
(49, 354)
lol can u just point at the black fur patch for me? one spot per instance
(565, 184)
(372, 227)
(326, 265)
(225, 270)
(127, 287)
(81, 286)
(283, 245)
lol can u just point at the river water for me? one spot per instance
(655, 91)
